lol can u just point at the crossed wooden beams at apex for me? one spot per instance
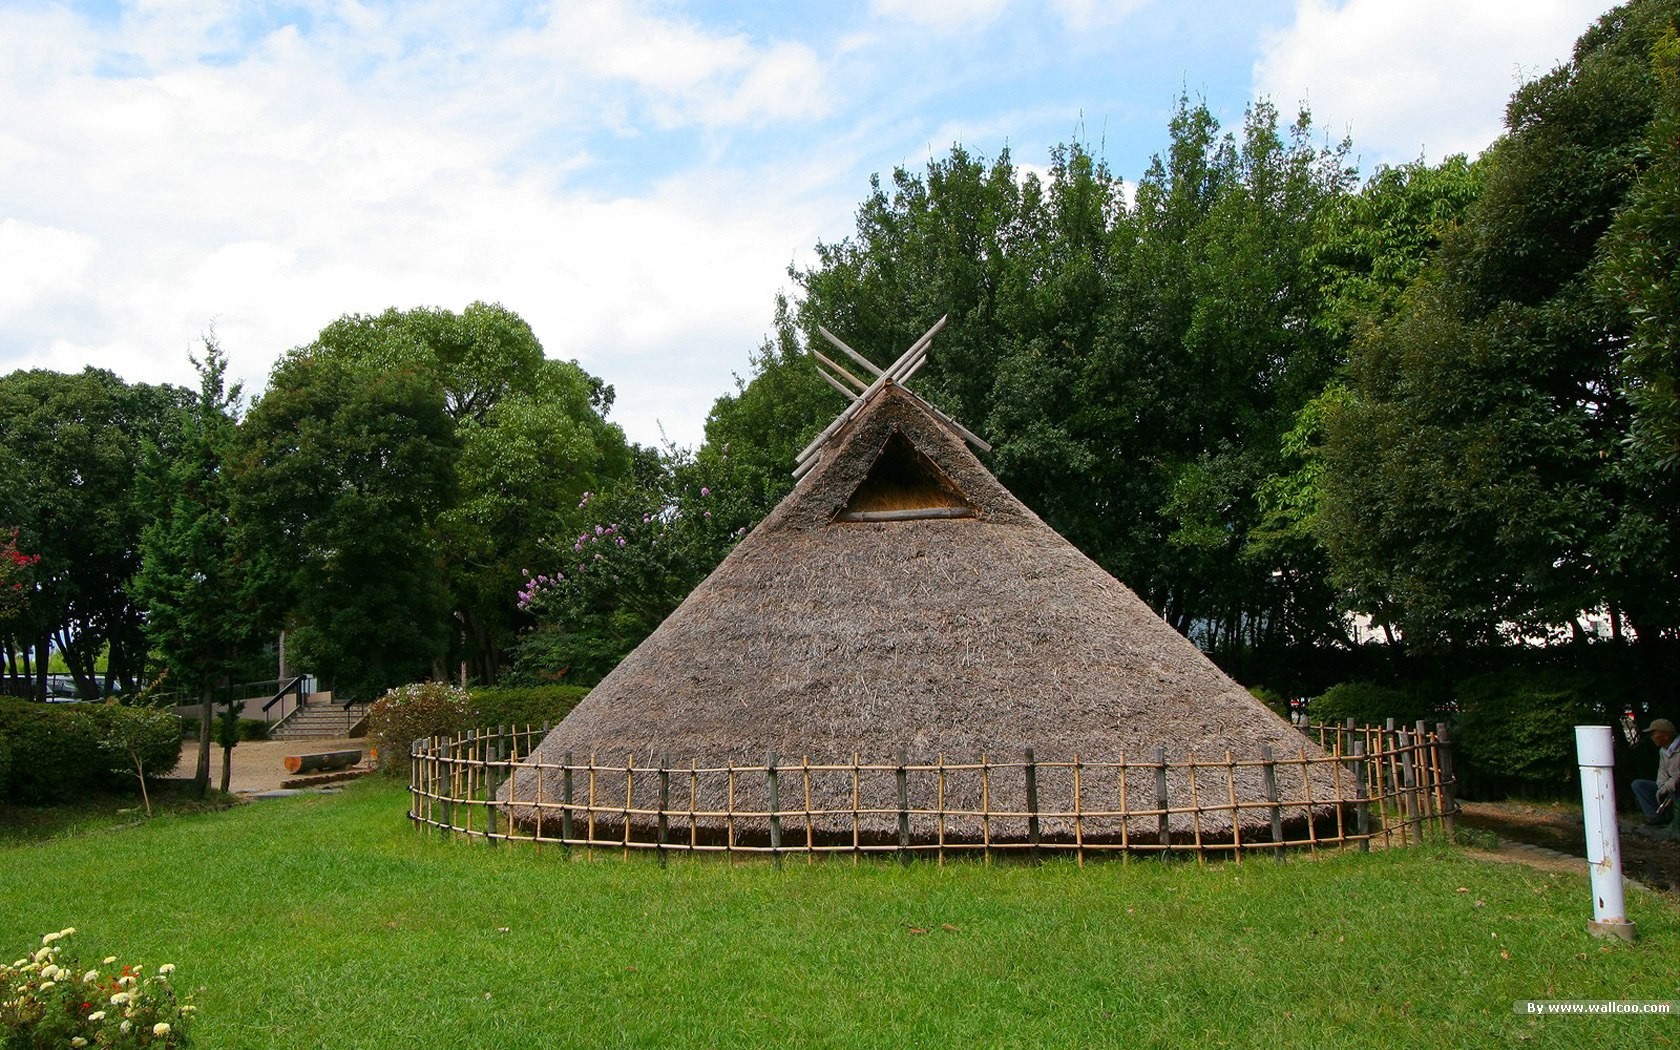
(858, 392)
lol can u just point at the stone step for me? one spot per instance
(319, 721)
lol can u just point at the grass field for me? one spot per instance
(325, 921)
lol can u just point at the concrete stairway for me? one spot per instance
(321, 720)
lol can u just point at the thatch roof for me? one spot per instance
(962, 626)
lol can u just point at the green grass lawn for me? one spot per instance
(326, 921)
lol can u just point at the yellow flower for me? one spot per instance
(161, 1028)
(78, 1041)
(109, 959)
(97, 1015)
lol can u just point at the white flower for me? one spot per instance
(97, 1015)
(119, 998)
(161, 1028)
(166, 969)
(108, 960)
(90, 977)
(47, 984)
(189, 1009)
(78, 1041)
(127, 1026)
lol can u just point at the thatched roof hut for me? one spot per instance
(901, 600)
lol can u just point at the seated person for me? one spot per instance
(1656, 797)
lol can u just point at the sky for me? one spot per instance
(633, 178)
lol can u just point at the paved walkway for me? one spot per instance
(259, 765)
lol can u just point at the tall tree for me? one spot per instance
(1478, 473)
(70, 445)
(199, 592)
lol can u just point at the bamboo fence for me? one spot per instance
(1393, 786)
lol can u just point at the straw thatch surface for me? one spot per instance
(944, 636)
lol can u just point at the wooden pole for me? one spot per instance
(1361, 809)
(773, 787)
(1164, 830)
(1268, 775)
(664, 804)
(566, 804)
(1446, 785)
(1032, 803)
(903, 808)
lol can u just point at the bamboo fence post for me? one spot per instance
(1409, 771)
(1078, 823)
(589, 804)
(566, 804)
(1361, 810)
(1164, 828)
(1392, 749)
(664, 805)
(1423, 747)
(1125, 816)
(810, 823)
(693, 802)
(446, 791)
(1268, 776)
(1344, 743)
(939, 808)
(494, 749)
(1446, 785)
(537, 776)
(414, 802)
(629, 798)
(857, 793)
(1032, 803)
(1236, 808)
(729, 813)
(468, 765)
(1306, 788)
(903, 808)
(1195, 810)
(986, 807)
(773, 788)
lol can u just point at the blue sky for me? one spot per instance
(633, 178)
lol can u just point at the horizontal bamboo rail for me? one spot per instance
(1390, 785)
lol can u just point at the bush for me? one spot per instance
(253, 729)
(1271, 698)
(5, 763)
(1516, 729)
(409, 712)
(1368, 703)
(55, 750)
(144, 733)
(530, 706)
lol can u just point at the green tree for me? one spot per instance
(1478, 479)
(338, 474)
(70, 445)
(198, 591)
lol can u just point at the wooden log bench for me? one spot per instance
(322, 762)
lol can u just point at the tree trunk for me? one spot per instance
(227, 767)
(201, 777)
(43, 657)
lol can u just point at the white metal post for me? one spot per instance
(1595, 749)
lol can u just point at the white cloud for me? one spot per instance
(1423, 77)
(394, 157)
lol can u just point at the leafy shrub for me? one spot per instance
(1271, 698)
(1368, 703)
(409, 712)
(55, 750)
(1516, 729)
(51, 1000)
(529, 706)
(253, 729)
(146, 734)
(5, 763)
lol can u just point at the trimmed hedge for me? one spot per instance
(529, 706)
(59, 750)
(1368, 703)
(1517, 728)
(409, 712)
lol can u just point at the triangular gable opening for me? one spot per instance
(903, 484)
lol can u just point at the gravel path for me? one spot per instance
(258, 765)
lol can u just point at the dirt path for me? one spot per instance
(258, 765)
(1553, 834)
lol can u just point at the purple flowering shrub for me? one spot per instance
(646, 543)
